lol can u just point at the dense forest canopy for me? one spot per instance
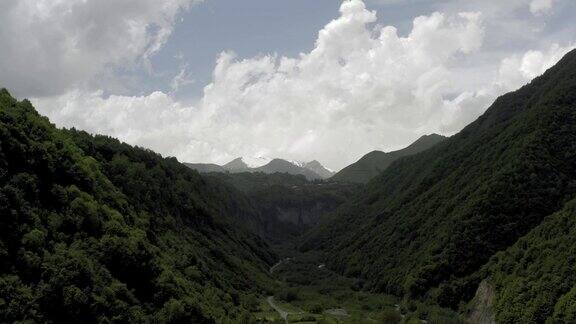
(534, 280)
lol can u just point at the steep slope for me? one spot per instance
(534, 280)
(93, 230)
(237, 165)
(428, 223)
(373, 163)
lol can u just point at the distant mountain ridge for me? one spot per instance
(375, 162)
(319, 169)
(313, 170)
(236, 165)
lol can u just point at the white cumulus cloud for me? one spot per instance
(517, 70)
(358, 89)
(50, 46)
(154, 121)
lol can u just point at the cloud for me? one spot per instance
(357, 90)
(360, 88)
(51, 46)
(154, 121)
(182, 79)
(517, 70)
(538, 7)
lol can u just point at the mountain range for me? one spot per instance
(362, 171)
(311, 170)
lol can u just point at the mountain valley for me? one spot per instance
(476, 227)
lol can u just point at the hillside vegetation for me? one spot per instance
(425, 227)
(534, 280)
(93, 230)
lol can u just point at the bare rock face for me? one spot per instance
(481, 311)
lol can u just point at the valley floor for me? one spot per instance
(309, 292)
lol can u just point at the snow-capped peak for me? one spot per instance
(255, 162)
(297, 163)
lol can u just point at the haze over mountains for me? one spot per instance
(311, 170)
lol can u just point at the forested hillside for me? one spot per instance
(375, 162)
(93, 230)
(427, 225)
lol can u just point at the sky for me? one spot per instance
(326, 80)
